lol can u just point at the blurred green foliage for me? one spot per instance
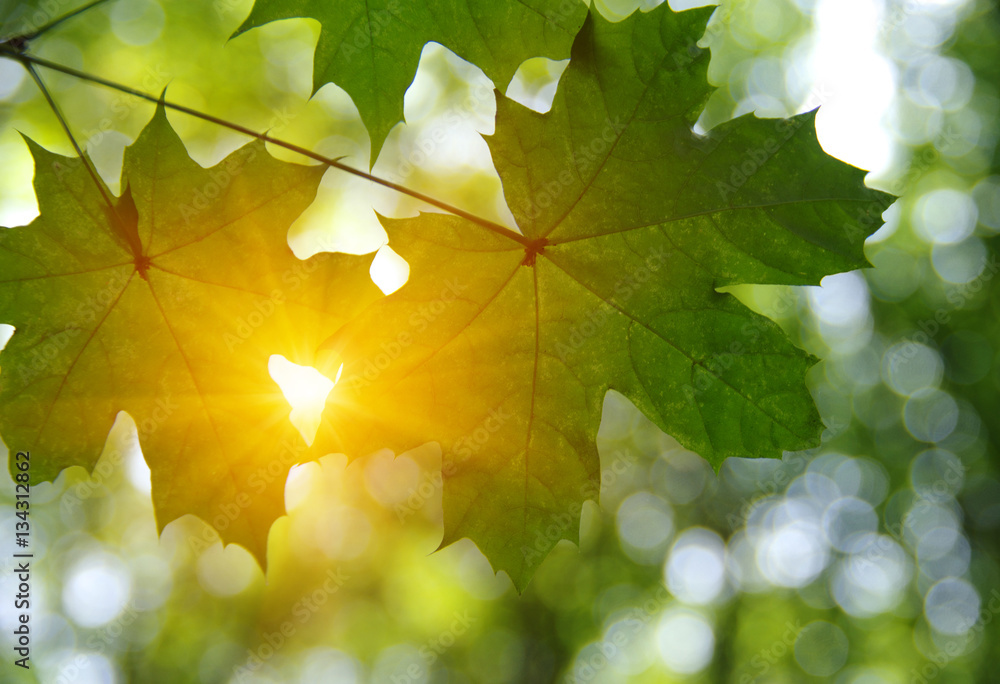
(872, 559)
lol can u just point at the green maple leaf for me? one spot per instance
(17, 18)
(169, 309)
(503, 352)
(371, 48)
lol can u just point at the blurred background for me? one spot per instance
(872, 559)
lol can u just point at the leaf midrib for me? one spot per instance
(694, 362)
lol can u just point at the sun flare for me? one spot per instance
(389, 270)
(305, 389)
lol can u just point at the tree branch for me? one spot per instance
(23, 38)
(28, 60)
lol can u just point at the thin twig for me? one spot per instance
(52, 24)
(112, 211)
(335, 163)
(69, 134)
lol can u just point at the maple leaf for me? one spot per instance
(168, 308)
(371, 48)
(503, 350)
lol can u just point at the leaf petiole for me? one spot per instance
(27, 59)
(112, 212)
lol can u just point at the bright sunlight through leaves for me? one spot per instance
(306, 390)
